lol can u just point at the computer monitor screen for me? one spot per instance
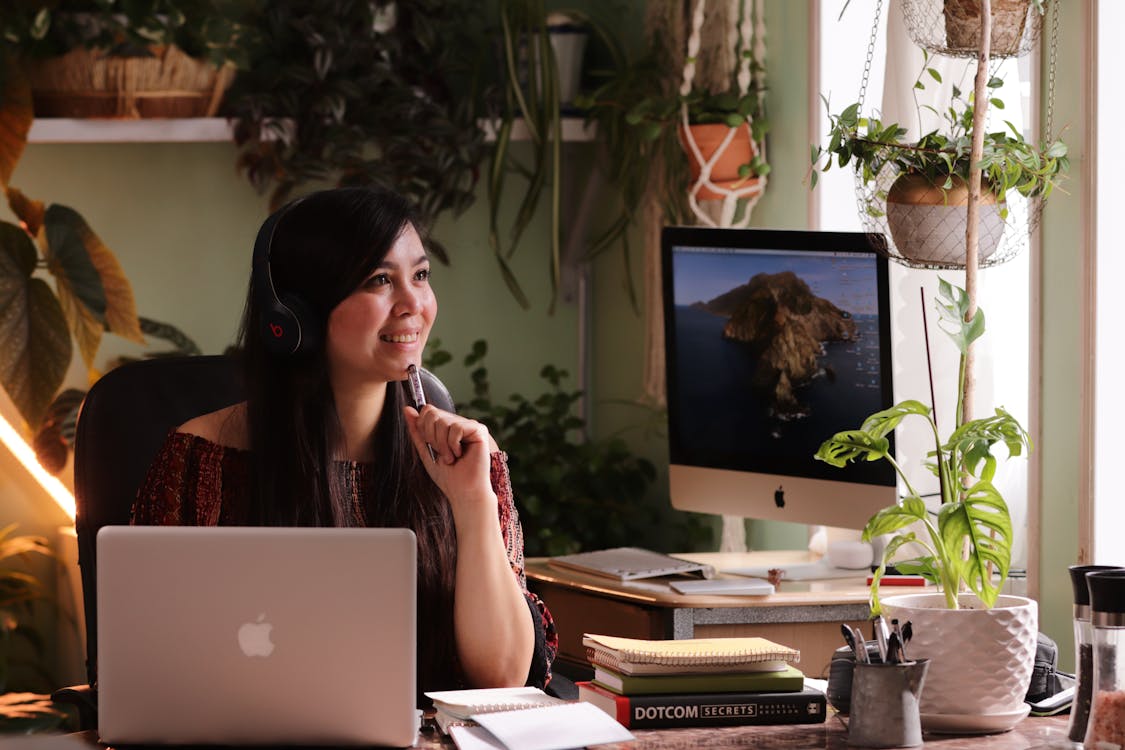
(774, 341)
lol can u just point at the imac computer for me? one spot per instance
(775, 340)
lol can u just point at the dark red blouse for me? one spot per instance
(195, 482)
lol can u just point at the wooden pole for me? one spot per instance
(972, 240)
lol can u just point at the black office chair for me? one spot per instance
(124, 420)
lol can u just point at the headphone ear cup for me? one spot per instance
(307, 323)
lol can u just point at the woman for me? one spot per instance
(327, 438)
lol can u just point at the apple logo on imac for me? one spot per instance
(254, 637)
(779, 497)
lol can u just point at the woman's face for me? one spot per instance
(382, 327)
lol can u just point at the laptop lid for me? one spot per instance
(238, 635)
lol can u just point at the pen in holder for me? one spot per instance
(884, 704)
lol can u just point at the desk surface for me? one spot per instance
(1030, 734)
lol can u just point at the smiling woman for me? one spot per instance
(339, 307)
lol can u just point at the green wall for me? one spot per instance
(1059, 441)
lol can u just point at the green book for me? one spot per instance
(787, 680)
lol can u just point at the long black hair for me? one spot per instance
(324, 247)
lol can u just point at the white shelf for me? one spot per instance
(186, 130)
(207, 129)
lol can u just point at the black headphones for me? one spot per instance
(288, 323)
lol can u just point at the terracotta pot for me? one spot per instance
(980, 659)
(724, 172)
(928, 223)
(962, 25)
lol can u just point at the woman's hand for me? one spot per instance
(461, 448)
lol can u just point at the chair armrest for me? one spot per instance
(85, 699)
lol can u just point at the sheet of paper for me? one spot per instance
(561, 727)
(474, 738)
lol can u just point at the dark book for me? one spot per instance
(788, 680)
(807, 706)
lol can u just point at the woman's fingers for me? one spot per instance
(448, 434)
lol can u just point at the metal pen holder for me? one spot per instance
(884, 704)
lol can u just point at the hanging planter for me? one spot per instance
(92, 83)
(1009, 20)
(1017, 175)
(928, 222)
(726, 152)
(719, 131)
(952, 27)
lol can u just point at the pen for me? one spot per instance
(419, 395)
(879, 625)
(849, 638)
(861, 651)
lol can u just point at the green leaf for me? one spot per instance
(894, 517)
(934, 74)
(953, 306)
(982, 518)
(36, 349)
(851, 445)
(888, 554)
(882, 422)
(974, 440)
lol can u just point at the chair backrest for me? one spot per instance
(124, 420)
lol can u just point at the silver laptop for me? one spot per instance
(260, 636)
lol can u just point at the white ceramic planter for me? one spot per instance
(928, 222)
(980, 659)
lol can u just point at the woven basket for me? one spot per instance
(89, 83)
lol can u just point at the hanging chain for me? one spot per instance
(870, 53)
(1054, 8)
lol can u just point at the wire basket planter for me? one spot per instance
(952, 27)
(931, 234)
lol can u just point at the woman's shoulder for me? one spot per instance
(225, 427)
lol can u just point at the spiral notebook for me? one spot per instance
(633, 656)
(464, 704)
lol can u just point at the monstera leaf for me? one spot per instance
(35, 348)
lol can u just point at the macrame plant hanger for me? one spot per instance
(747, 34)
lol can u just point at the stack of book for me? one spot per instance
(698, 682)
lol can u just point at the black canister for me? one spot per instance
(1083, 651)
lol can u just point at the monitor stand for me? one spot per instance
(733, 537)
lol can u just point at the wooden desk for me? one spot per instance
(805, 615)
(1031, 733)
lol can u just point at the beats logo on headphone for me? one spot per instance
(289, 325)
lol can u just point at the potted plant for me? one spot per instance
(981, 644)
(149, 58)
(20, 589)
(359, 93)
(920, 186)
(725, 129)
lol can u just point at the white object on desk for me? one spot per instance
(725, 587)
(474, 738)
(804, 571)
(628, 563)
(559, 727)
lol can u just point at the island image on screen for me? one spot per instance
(772, 349)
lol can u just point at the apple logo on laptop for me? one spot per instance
(254, 637)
